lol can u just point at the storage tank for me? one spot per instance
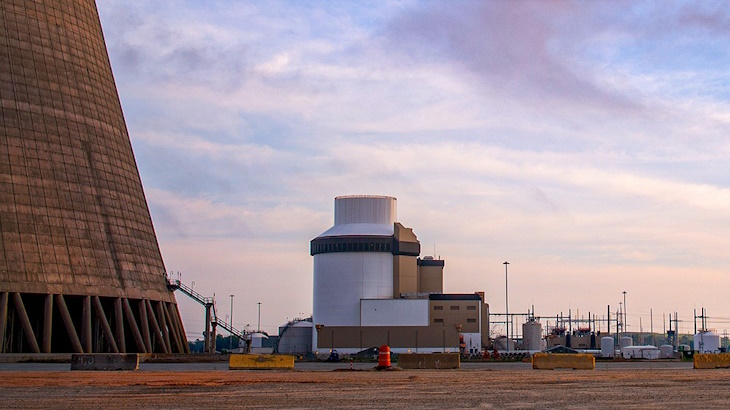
(625, 341)
(706, 342)
(353, 259)
(607, 347)
(666, 352)
(532, 335)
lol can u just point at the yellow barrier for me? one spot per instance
(260, 361)
(711, 361)
(551, 361)
(429, 361)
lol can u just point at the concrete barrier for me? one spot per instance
(104, 361)
(429, 361)
(549, 361)
(711, 361)
(260, 361)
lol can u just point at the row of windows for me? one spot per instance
(440, 307)
(351, 247)
(442, 321)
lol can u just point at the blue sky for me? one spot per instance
(585, 142)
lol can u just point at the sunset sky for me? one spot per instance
(584, 142)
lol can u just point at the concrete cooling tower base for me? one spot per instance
(80, 267)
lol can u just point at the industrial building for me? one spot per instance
(80, 266)
(371, 287)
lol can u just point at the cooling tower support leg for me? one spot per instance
(47, 323)
(86, 325)
(163, 326)
(119, 324)
(105, 324)
(70, 329)
(171, 325)
(29, 334)
(156, 327)
(179, 326)
(25, 321)
(133, 324)
(3, 319)
(145, 326)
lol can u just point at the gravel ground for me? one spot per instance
(362, 389)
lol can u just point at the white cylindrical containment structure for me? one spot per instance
(607, 347)
(353, 260)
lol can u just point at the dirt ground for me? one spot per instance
(425, 389)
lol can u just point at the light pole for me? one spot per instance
(506, 301)
(626, 317)
(258, 327)
(230, 338)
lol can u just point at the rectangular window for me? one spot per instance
(454, 308)
(471, 307)
(471, 320)
(437, 307)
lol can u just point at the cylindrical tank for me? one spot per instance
(607, 347)
(531, 335)
(706, 342)
(625, 341)
(666, 352)
(353, 259)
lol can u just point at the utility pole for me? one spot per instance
(506, 301)
(230, 337)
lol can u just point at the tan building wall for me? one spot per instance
(454, 313)
(405, 275)
(431, 279)
(411, 337)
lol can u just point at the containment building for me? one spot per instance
(371, 287)
(80, 267)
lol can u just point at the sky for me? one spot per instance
(584, 142)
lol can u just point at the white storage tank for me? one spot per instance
(607, 347)
(625, 341)
(532, 335)
(353, 259)
(666, 352)
(706, 342)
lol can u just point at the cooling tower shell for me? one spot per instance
(78, 245)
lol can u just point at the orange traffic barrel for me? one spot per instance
(384, 356)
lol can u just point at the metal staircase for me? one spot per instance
(211, 318)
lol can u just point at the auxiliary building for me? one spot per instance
(371, 288)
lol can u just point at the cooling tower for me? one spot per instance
(80, 267)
